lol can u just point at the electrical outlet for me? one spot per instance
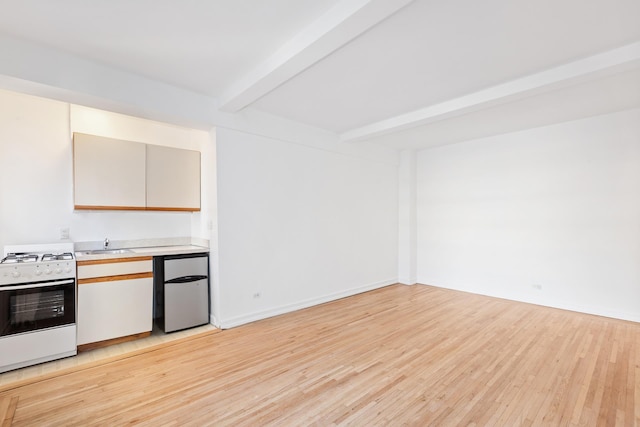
(256, 295)
(64, 233)
(537, 287)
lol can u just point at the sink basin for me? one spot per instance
(105, 252)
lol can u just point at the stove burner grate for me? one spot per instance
(19, 258)
(67, 256)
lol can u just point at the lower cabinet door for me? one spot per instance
(186, 304)
(114, 309)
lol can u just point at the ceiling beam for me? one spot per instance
(610, 62)
(345, 21)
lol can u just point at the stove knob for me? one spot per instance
(47, 271)
(58, 270)
(38, 272)
(68, 270)
(16, 274)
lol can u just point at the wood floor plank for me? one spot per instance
(412, 355)
(8, 407)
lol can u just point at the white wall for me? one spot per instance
(35, 169)
(407, 231)
(548, 215)
(300, 225)
(36, 152)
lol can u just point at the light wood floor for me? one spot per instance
(99, 356)
(396, 356)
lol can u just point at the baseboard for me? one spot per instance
(214, 321)
(561, 305)
(276, 311)
(596, 311)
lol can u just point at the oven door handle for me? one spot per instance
(36, 285)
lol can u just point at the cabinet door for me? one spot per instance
(108, 173)
(186, 304)
(114, 309)
(173, 178)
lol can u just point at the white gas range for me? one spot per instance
(37, 304)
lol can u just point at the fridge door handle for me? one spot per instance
(186, 279)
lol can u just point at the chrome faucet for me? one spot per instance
(106, 243)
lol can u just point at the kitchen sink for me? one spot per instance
(105, 252)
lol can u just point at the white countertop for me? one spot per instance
(142, 251)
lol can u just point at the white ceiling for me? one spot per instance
(433, 51)
(202, 45)
(400, 73)
(601, 96)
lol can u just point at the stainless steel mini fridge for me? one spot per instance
(181, 285)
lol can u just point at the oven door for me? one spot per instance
(34, 306)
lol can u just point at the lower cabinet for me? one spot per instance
(115, 300)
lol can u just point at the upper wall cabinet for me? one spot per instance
(173, 178)
(108, 173)
(111, 174)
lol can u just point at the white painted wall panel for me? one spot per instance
(36, 169)
(299, 225)
(548, 215)
(407, 232)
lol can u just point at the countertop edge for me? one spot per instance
(140, 252)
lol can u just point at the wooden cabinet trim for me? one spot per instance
(106, 343)
(109, 208)
(150, 208)
(113, 260)
(115, 278)
(132, 208)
